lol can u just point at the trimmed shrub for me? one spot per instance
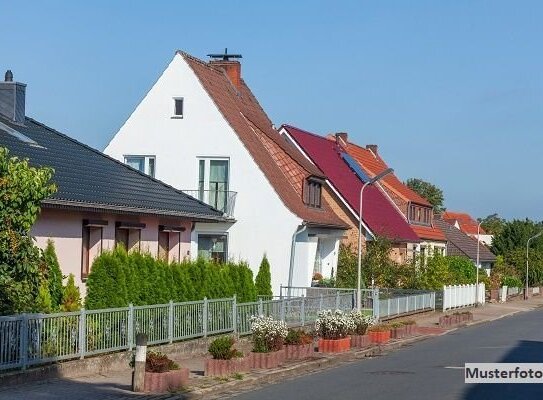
(221, 348)
(71, 298)
(54, 274)
(43, 301)
(106, 284)
(263, 279)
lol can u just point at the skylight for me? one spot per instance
(18, 135)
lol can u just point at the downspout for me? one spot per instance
(292, 254)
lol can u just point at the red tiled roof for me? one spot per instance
(284, 167)
(379, 214)
(429, 232)
(373, 165)
(465, 221)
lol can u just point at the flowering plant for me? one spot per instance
(268, 334)
(333, 324)
(361, 322)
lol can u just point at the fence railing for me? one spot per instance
(411, 301)
(32, 339)
(462, 296)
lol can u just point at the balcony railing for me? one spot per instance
(224, 201)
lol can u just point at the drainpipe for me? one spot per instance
(292, 254)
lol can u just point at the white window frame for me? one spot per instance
(174, 115)
(207, 167)
(146, 162)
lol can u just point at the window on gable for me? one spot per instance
(312, 192)
(145, 164)
(177, 107)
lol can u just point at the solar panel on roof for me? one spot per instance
(353, 165)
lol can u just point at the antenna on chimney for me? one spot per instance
(225, 56)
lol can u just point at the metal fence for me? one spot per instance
(397, 302)
(32, 339)
(462, 296)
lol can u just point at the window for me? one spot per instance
(91, 244)
(312, 192)
(213, 182)
(145, 164)
(128, 235)
(177, 107)
(213, 247)
(420, 215)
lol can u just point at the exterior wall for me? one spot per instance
(264, 225)
(65, 229)
(399, 201)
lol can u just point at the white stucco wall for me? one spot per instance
(264, 224)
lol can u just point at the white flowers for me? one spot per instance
(268, 334)
(361, 321)
(334, 324)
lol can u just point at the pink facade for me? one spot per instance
(66, 228)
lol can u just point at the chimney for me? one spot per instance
(342, 138)
(373, 148)
(231, 67)
(12, 99)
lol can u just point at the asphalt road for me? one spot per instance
(432, 369)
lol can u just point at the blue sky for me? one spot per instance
(451, 91)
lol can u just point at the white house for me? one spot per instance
(201, 130)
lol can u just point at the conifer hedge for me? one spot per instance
(118, 279)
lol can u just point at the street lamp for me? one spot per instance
(370, 182)
(527, 262)
(477, 265)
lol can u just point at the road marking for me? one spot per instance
(453, 367)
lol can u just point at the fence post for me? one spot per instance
(302, 311)
(23, 344)
(130, 326)
(398, 308)
(281, 291)
(260, 307)
(82, 333)
(204, 317)
(282, 309)
(388, 307)
(376, 303)
(234, 315)
(170, 322)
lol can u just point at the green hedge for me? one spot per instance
(118, 279)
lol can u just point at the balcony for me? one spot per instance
(224, 201)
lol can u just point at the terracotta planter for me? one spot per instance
(298, 351)
(162, 382)
(399, 332)
(267, 360)
(226, 367)
(410, 330)
(334, 345)
(379, 337)
(360, 341)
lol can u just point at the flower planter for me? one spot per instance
(162, 382)
(298, 351)
(360, 341)
(334, 345)
(214, 367)
(398, 332)
(267, 360)
(379, 337)
(411, 330)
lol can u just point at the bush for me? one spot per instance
(71, 298)
(379, 328)
(268, 334)
(158, 362)
(298, 337)
(43, 302)
(361, 322)
(221, 348)
(333, 324)
(263, 279)
(54, 278)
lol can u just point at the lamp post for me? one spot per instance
(477, 265)
(527, 262)
(370, 182)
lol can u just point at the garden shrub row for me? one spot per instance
(118, 279)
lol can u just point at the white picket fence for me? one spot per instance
(462, 296)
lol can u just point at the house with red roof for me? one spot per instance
(380, 216)
(468, 225)
(416, 210)
(202, 130)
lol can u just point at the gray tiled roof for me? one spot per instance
(460, 244)
(88, 179)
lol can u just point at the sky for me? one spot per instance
(450, 91)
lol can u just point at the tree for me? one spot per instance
(71, 298)
(263, 279)
(54, 274)
(429, 191)
(22, 189)
(492, 224)
(347, 267)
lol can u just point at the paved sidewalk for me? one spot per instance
(116, 385)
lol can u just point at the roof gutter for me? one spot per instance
(292, 255)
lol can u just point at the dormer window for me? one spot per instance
(312, 192)
(177, 107)
(420, 215)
